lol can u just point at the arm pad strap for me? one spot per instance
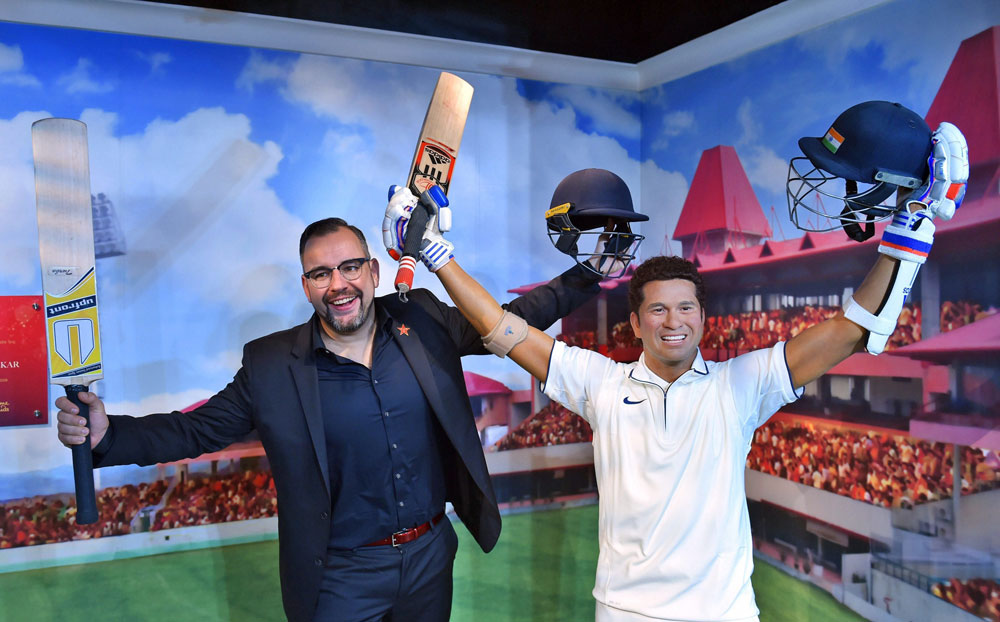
(508, 332)
(880, 325)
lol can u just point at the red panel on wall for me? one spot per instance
(23, 369)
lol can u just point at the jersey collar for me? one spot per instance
(642, 373)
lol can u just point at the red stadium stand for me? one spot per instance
(46, 520)
(552, 425)
(874, 465)
(980, 597)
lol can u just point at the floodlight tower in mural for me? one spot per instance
(109, 241)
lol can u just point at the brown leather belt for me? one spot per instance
(408, 535)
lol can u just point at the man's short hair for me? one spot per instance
(663, 269)
(330, 225)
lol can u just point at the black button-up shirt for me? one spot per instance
(383, 442)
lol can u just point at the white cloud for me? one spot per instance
(32, 449)
(748, 123)
(12, 67)
(675, 123)
(259, 70)
(608, 108)
(926, 64)
(19, 233)
(159, 403)
(80, 80)
(11, 58)
(765, 168)
(358, 92)
(156, 60)
(182, 194)
(343, 144)
(38, 448)
(663, 194)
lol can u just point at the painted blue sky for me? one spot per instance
(217, 156)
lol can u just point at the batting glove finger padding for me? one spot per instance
(949, 173)
(397, 215)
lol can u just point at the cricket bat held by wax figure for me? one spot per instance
(433, 161)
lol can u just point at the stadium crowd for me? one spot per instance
(879, 468)
(45, 520)
(980, 597)
(752, 330)
(552, 425)
(219, 499)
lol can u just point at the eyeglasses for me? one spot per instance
(350, 269)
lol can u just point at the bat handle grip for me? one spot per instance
(411, 249)
(83, 465)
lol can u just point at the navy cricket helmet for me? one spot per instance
(880, 144)
(594, 202)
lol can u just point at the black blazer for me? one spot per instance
(276, 392)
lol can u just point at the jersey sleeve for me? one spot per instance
(575, 376)
(762, 384)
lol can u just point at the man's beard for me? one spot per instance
(346, 328)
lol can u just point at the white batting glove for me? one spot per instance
(435, 251)
(945, 189)
(397, 214)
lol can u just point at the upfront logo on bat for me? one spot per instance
(71, 306)
(72, 327)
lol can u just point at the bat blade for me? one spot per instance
(69, 279)
(434, 160)
(441, 134)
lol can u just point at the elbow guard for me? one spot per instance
(508, 332)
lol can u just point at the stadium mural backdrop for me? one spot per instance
(207, 161)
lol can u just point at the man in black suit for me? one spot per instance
(367, 425)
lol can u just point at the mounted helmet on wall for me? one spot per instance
(881, 144)
(596, 203)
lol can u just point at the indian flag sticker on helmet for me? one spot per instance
(832, 140)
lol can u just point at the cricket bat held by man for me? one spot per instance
(434, 161)
(66, 246)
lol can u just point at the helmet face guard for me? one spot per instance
(872, 149)
(592, 209)
(805, 185)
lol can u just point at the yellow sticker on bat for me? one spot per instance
(71, 322)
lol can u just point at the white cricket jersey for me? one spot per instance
(674, 529)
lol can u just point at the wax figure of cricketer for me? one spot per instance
(368, 429)
(672, 431)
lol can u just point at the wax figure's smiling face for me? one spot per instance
(670, 323)
(343, 305)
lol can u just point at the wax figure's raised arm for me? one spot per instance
(484, 313)
(814, 351)
(869, 316)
